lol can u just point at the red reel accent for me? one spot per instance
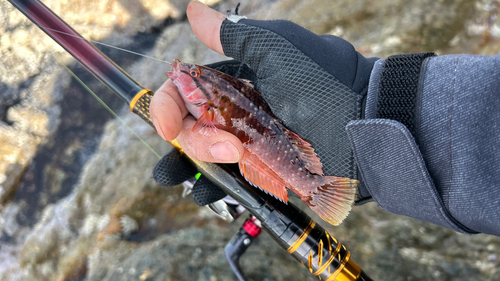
(251, 228)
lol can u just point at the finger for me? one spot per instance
(206, 24)
(222, 147)
(167, 111)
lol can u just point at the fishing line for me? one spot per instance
(104, 44)
(106, 106)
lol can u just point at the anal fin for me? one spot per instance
(260, 175)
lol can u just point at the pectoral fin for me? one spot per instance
(206, 123)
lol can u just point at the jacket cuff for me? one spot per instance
(390, 81)
(395, 173)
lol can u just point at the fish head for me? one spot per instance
(191, 87)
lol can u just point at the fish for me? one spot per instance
(275, 158)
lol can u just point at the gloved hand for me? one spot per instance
(317, 85)
(173, 169)
(314, 84)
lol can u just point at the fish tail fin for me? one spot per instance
(333, 199)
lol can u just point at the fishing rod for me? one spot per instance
(291, 228)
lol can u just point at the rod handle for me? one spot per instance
(140, 105)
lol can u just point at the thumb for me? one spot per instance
(206, 24)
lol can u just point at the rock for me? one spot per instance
(197, 253)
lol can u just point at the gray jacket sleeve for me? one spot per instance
(447, 171)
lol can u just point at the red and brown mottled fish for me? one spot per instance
(275, 158)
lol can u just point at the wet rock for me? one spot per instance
(197, 254)
(121, 17)
(27, 124)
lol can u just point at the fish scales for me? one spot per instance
(275, 158)
(263, 135)
(253, 117)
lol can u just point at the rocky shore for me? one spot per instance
(77, 201)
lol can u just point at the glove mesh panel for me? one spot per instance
(310, 101)
(205, 192)
(173, 169)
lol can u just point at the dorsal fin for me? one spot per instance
(247, 82)
(261, 176)
(308, 156)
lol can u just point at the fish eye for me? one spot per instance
(194, 72)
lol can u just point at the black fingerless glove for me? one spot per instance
(315, 84)
(399, 133)
(173, 169)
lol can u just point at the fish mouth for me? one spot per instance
(176, 66)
